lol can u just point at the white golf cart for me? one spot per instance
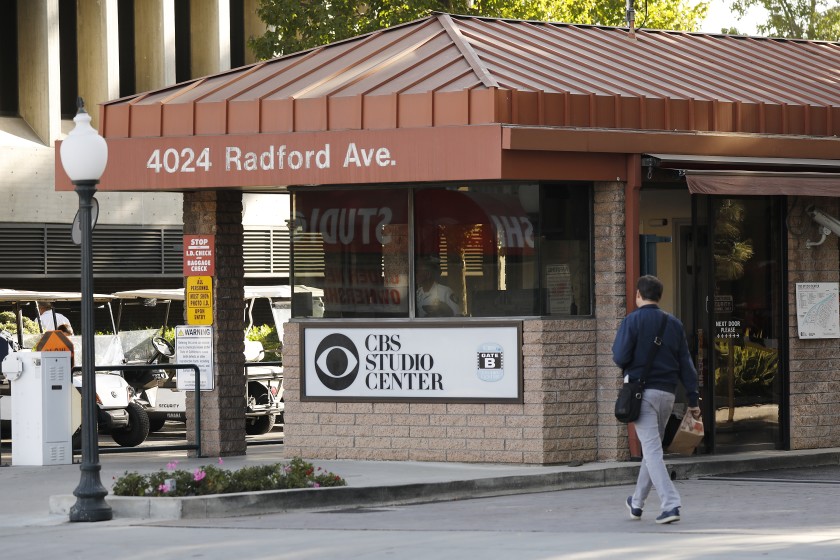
(264, 388)
(119, 415)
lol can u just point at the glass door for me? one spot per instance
(738, 324)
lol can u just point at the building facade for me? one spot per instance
(56, 51)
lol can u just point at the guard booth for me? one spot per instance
(527, 160)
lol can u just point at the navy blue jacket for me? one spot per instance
(672, 363)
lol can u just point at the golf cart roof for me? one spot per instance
(11, 296)
(251, 292)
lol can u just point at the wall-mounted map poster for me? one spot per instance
(818, 310)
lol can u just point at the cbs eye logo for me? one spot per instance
(337, 362)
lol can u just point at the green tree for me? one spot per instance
(296, 25)
(795, 19)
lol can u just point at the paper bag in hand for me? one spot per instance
(688, 436)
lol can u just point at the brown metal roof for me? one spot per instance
(456, 70)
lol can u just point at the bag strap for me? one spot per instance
(657, 343)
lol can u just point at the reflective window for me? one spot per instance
(475, 250)
(352, 245)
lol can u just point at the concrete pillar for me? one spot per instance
(209, 37)
(39, 76)
(98, 53)
(223, 409)
(154, 43)
(254, 27)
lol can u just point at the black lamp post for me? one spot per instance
(84, 155)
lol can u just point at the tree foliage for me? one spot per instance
(296, 25)
(795, 19)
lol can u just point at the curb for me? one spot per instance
(278, 501)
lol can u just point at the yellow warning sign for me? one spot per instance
(199, 301)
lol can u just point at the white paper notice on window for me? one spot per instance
(558, 280)
(818, 310)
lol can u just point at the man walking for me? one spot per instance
(671, 365)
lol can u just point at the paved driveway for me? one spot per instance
(731, 519)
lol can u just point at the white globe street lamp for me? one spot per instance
(84, 155)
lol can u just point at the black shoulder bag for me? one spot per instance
(628, 405)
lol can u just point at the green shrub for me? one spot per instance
(8, 322)
(267, 335)
(754, 370)
(168, 333)
(213, 479)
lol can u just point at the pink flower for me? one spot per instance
(172, 465)
(163, 488)
(316, 485)
(199, 475)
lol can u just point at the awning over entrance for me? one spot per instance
(758, 176)
(693, 161)
(729, 183)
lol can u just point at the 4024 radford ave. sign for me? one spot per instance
(335, 157)
(235, 158)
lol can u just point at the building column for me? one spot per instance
(98, 53)
(219, 213)
(154, 43)
(39, 79)
(254, 27)
(610, 309)
(209, 37)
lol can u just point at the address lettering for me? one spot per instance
(272, 158)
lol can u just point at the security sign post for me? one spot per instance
(199, 255)
(199, 296)
(199, 267)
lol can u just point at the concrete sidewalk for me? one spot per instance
(39, 495)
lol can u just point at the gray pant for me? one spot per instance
(650, 427)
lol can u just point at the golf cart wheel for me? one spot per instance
(138, 427)
(156, 423)
(261, 425)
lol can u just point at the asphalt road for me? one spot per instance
(721, 519)
(829, 475)
(783, 514)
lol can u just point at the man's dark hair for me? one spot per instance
(650, 287)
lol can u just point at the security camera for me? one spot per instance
(828, 225)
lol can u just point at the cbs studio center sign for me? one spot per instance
(363, 362)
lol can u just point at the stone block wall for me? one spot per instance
(814, 382)
(556, 423)
(560, 363)
(569, 389)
